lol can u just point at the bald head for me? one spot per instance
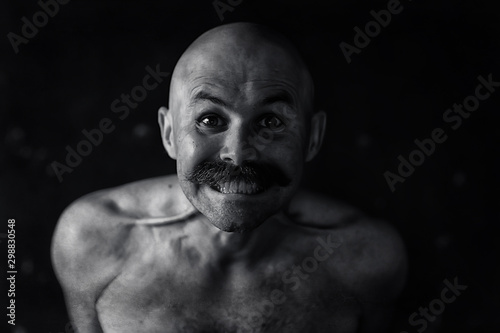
(242, 53)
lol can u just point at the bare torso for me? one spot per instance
(319, 267)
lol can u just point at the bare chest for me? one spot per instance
(186, 293)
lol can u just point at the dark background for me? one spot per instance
(395, 91)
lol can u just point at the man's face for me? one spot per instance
(239, 131)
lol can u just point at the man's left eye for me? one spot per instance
(272, 122)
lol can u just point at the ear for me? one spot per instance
(318, 124)
(167, 134)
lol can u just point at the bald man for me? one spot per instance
(230, 243)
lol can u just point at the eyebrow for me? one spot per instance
(279, 97)
(205, 96)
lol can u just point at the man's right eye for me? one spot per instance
(211, 121)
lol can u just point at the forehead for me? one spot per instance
(242, 70)
(209, 87)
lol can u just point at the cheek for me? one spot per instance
(293, 155)
(286, 151)
(192, 150)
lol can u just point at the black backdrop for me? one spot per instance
(393, 92)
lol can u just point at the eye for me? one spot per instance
(211, 121)
(272, 122)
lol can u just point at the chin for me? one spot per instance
(236, 216)
(236, 212)
(230, 223)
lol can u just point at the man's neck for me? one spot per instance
(235, 245)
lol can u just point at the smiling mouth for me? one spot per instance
(238, 187)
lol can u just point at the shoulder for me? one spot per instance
(377, 256)
(86, 242)
(371, 255)
(92, 239)
(148, 197)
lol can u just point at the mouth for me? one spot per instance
(238, 187)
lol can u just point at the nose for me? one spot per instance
(237, 149)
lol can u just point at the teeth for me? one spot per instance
(242, 187)
(237, 187)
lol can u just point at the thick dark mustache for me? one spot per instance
(216, 172)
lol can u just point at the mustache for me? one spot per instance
(217, 172)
